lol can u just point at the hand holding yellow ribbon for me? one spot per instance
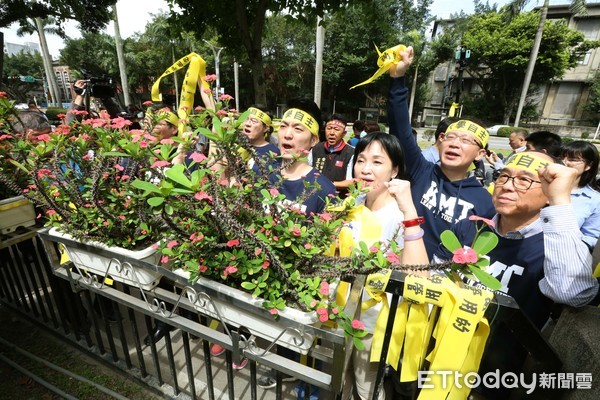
(385, 61)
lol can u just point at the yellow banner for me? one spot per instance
(196, 72)
(385, 61)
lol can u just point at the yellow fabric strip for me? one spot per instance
(527, 161)
(385, 61)
(304, 118)
(471, 128)
(196, 72)
(260, 115)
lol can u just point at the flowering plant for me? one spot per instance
(80, 174)
(472, 261)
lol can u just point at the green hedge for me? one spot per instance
(52, 113)
(507, 130)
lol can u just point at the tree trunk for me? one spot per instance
(532, 59)
(121, 58)
(56, 98)
(1, 56)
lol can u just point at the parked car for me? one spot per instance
(493, 130)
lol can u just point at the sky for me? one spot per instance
(133, 18)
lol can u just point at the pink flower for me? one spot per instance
(167, 141)
(323, 317)
(257, 251)
(120, 123)
(273, 192)
(296, 231)
(313, 303)
(197, 157)
(147, 103)
(266, 265)
(225, 97)
(373, 249)
(464, 256)
(50, 212)
(44, 138)
(335, 310)
(164, 259)
(321, 310)
(486, 221)
(160, 164)
(210, 78)
(222, 113)
(199, 108)
(202, 195)
(307, 246)
(324, 217)
(233, 242)
(196, 237)
(223, 181)
(356, 324)
(172, 244)
(143, 144)
(392, 257)
(202, 268)
(119, 167)
(273, 311)
(231, 269)
(121, 217)
(324, 288)
(207, 91)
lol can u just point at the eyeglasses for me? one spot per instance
(519, 182)
(573, 160)
(463, 139)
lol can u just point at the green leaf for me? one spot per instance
(358, 343)
(156, 201)
(248, 285)
(115, 154)
(147, 186)
(485, 278)
(485, 242)
(177, 174)
(450, 241)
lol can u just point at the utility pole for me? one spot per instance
(320, 43)
(217, 53)
(236, 79)
(461, 56)
(121, 57)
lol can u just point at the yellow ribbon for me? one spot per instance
(416, 326)
(196, 71)
(385, 61)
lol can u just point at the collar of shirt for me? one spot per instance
(333, 149)
(527, 231)
(586, 191)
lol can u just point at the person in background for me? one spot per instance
(32, 124)
(371, 126)
(358, 128)
(544, 141)
(585, 194)
(444, 193)
(258, 128)
(516, 141)
(333, 157)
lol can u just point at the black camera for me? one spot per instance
(100, 88)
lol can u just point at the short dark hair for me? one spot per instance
(335, 117)
(545, 141)
(520, 132)
(358, 126)
(443, 126)
(390, 145)
(587, 151)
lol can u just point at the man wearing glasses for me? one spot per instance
(540, 258)
(444, 193)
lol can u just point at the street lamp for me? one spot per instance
(217, 53)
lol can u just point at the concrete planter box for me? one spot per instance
(111, 265)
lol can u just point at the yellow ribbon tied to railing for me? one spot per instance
(195, 73)
(385, 61)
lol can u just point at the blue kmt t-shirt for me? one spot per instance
(295, 189)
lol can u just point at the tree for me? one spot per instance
(92, 15)
(500, 52)
(578, 7)
(241, 25)
(19, 64)
(121, 57)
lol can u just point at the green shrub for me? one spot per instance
(507, 130)
(52, 113)
(585, 135)
(428, 134)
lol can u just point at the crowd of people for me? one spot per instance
(543, 197)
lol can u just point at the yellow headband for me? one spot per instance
(169, 117)
(471, 128)
(304, 118)
(260, 115)
(527, 161)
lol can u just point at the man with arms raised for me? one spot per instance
(443, 193)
